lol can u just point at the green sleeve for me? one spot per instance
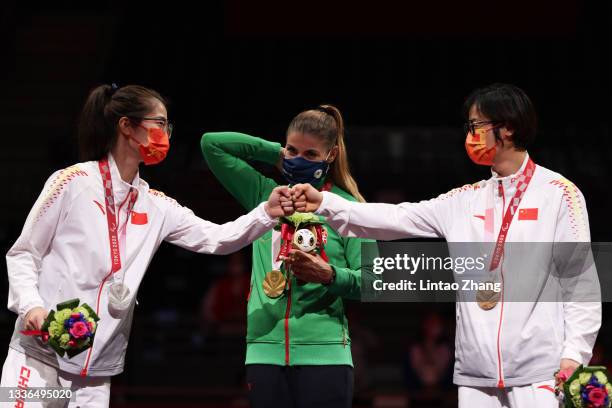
(227, 154)
(348, 281)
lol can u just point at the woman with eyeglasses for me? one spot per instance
(534, 224)
(92, 234)
(298, 349)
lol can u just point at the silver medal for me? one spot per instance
(119, 299)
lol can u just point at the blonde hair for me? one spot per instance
(326, 123)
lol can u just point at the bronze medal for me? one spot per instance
(487, 299)
(274, 284)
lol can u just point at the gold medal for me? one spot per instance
(487, 299)
(274, 284)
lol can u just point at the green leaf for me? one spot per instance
(48, 320)
(297, 219)
(69, 304)
(91, 312)
(84, 346)
(56, 346)
(73, 352)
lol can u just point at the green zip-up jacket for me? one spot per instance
(307, 325)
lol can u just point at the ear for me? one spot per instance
(333, 154)
(506, 134)
(125, 127)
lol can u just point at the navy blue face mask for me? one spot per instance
(299, 170)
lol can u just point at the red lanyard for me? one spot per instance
(111, 217)
(521, 187)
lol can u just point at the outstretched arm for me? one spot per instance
(428, 219)
(195, 234)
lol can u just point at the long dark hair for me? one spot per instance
(105, 105)
(326, 123)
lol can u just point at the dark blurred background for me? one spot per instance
(399, 72)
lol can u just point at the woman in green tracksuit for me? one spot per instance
(298, 346)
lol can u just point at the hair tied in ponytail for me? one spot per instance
(105, 106)
(330, 129)
(109, 90)
(323, 109)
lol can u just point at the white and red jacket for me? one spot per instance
(516, 343)
(64, 253)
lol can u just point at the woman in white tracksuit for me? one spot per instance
(96, 225)
(506, 354)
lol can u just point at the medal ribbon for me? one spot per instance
(112, 217)
(521, 186)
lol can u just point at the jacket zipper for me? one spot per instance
(287, 314)
(86, 365)
(500, 382)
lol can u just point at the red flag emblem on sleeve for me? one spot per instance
(528, 214)
(139, 218)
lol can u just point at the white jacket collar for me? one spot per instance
(496, 177)
(120, 186)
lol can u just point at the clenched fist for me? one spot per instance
(306, 198)
(279, 203)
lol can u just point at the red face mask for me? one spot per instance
(157, 148)
(476, 147)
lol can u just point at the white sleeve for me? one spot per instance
(24, 259)
(195, 234)
(427, 219)
(582, 315)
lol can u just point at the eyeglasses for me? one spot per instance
(472, 125)
(163, 123)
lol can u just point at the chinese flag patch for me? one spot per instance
(139, 218)
(528, 214)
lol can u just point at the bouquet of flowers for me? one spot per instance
(587, 387)
(70, 329)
